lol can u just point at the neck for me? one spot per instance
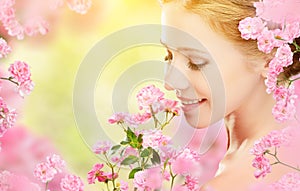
(251, 121)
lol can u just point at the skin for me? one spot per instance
(245, 93)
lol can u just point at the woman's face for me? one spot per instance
(209, 76)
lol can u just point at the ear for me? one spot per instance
(265, 69)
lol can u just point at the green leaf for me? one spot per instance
(145, 153)
(124, 143)
(115, 148)
(156, 158)
(131, 159)
(133, 171)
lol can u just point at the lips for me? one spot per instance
(190, 104)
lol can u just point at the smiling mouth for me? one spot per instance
(188, 105)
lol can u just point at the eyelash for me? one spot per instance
(190, 64)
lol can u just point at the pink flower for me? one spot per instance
(262, 165)
(192, 183)
(102, 147)
(44, 172)
(36, 26)
(97, 174)
(251, 28)
(285, 107)
(150, 179)
(155, 139)
(266, 41)
(124, 186)
(14, 28)
(56, 162)
(186, 162)
(284, 55)
(280, 11)
(149, 95)
(271, 80)
(20, 71)
(5, 49)
(25, 88)
(138, 119)
(7, 117)
(71, 183)
(291, 31)
(288, 182)
(171, 106)
(79, 6)
(118, 118)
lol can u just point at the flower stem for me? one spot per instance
(10, 79)
(282, 163)
(46, 187)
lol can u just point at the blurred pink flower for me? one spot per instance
(102, 147)
(123, 186)
(280, 11)
(97, 174)
(44, 172)
(5, 49)
(12, 182)
(25, 88)
(149, 179)
(288, 182)
(7, 117)
(291, 31)
(36, 25)
(171, 106)
(79, 6)
(118, 117)
(71, 183)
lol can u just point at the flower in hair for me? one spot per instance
(276, 25)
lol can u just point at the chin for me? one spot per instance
(198, 122)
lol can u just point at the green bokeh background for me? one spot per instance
(54, 60)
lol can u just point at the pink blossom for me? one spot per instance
(97, 174)
(279, 11)
(71, 183)
(102, 147)
(7, 117)
(44, 172)
(56, 162)
(25, 88)
(154, 139)
(79, 6)
(14, 182)
(118, 118)
(36, 26)
(251, 28)
(284, 108)
(266, 41)
(5, 49)
(271, 80)
(291, 31)
(284, 55)
(192, 183)
(123, 186)
(14, 28)
(150, 179)
(186, 162)
(138, 119)
(139, 181)
(288, 182)
(171, 106)
(149, 95)
(20, 71)
(262, 165)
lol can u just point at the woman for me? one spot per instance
(243, 69)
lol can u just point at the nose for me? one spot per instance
(174, 78)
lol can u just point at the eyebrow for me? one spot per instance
(184, 49)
